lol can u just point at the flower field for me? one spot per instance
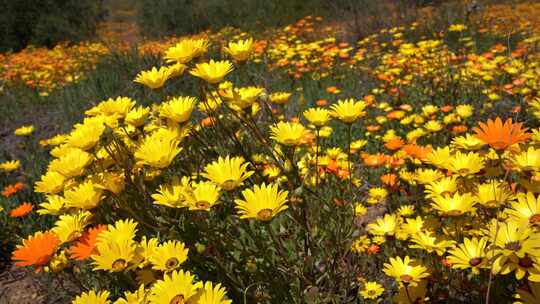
(290, 165)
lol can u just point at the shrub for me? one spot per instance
(47, 22)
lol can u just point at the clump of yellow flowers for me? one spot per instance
(281, 199)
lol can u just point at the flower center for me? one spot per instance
(475, 261)
(463, 171)
(526, 262)
(290, 141)
(74, 235)
(178, 299)
(492, 203)
(499, 144)
(514, 246)
(171, 263)
(534, 219)
(406, 278)
(264, 215)
(119, 264)
(228, 185)
(203, 205)
(454, 213)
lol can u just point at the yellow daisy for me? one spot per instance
(169, 256)
(175, 288)
(228, 173)
(212, 71)
(262, 202)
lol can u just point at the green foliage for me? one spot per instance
(47, 22)
(158, 17)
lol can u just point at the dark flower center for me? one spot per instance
(526, 262)
(475, 261)
(119, 264)
(203, 205)
(178, 299)
(264, 215)
(514, 246)
(534, 219)
(171, 263)
(406, 278)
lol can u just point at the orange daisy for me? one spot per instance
(37, 250)
(208, 121)
(459, 129)
(500, 136)
(394, 143)
(390, 179)
(22, 210)
(86, 245)
(416, 151)
(374, 160)
(9, 190)
(322, 102)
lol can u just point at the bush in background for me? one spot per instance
(189, 16)
(167, 17)
(47, 22)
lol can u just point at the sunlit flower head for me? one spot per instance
(69, 227)
(21, 210)
(24, 130)
(53, 204)
(119, 107)
(406, 271)
(243, 97)
(37, 250)
(468, 142)
(175, 288)
(279, 97)
(84, 196)
(386, 225)
(470, 254)
(212, 71)
(185, 50)
(72, 163)
(317, 116)
(173, 194)
(427, 176)
(493, 193)
(466, 164)
(528, 160)
(178, 109)
(153, 78)
(137, 116)
(262, 202)
(501, 135)
(169, 256)
(439, 157)
(9, 166)
(158, 150)
(454, 205)
(116, 247)
(93, 297)
(371, 290)
(442, 186)
(430, 242)
(203, 196)
(212, 294)
(348, 110)
(228, 173)
(85, 246)
(288, 133)
(240, 50)
(464, 111)
(525, 209)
